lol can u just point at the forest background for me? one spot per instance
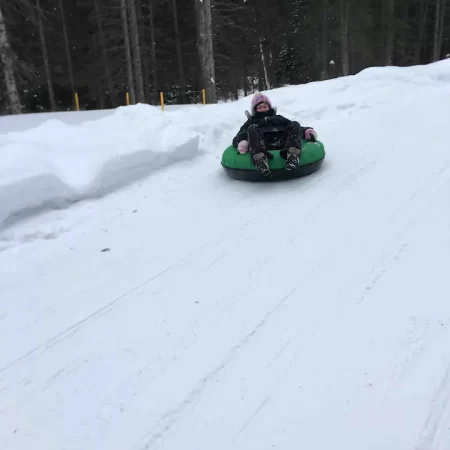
(101, 54)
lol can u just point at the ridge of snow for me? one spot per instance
(56, 164)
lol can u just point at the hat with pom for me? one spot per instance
(257, 99)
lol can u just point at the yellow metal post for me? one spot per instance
(77, 102)
(128, 98)
(161, 96)
(204, 96)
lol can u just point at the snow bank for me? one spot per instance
(14, 123)
(58, 163)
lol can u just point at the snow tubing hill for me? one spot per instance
(241, 167)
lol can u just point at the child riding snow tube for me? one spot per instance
(241, 167)
(271, 146)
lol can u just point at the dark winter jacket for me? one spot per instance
(271, 124)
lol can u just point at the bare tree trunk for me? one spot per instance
(145, 62)
(205, 48)
(104, 51)
(8, 69)
(264, 52)
(66, 40)
(324, 40)
(101, 97)
(437, 21)
(136, 53)
(422, 22)
(179, 54)
(390, 33)
(153, 48)
(126, 38)
(211, 71)
(402, 45)
(48, 75)
(264, 63)
(439, 29)
(344, 9)
(99, 84)
(245, 81)
(441, 32)
(266, 59)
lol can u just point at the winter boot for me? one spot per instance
(262, 164)
(292, 159)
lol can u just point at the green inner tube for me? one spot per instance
(312, 152)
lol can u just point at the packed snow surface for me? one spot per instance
(149, 302)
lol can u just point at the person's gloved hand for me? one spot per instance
(310, 132)
(243, 147)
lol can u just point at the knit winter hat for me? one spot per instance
(259, 98)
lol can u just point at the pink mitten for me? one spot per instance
(310, 132)
(243, 147)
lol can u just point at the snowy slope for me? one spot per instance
(307, 314)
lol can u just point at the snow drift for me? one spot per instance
(56, 164)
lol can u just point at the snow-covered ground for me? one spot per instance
(149, 302)
(9, 124)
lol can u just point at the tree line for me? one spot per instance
(104, 50)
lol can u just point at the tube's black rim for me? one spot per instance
(277, 174)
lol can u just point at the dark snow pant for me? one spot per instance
(258, 145)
